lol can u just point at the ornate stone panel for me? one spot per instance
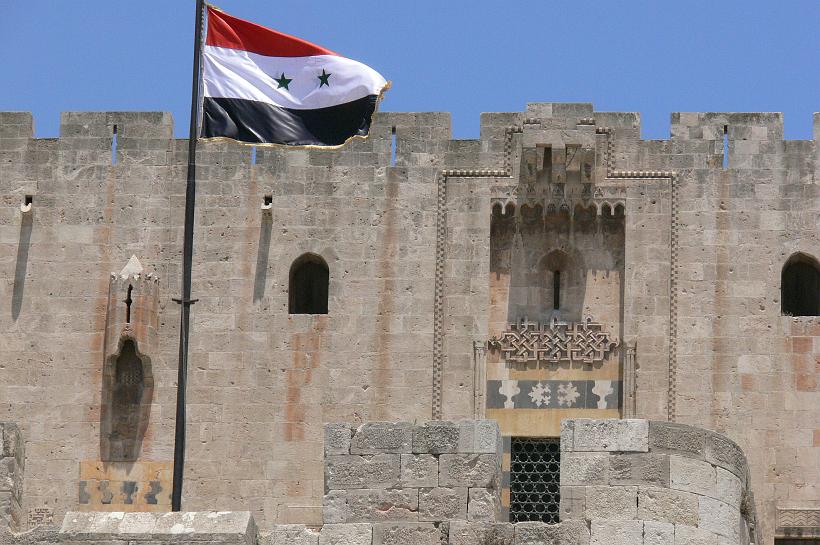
(554, 342)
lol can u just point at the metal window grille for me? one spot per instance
(535, 465)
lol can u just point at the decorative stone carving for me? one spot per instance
(128, 380)
(555, 341)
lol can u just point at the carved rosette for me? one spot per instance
(554, 342)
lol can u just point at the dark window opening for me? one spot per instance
(535, 465)
(556, 290)
(726, 146)
(128, 302)
(393, 146)
(309, 282)
(28, 199)
(800, 286)
(129, 385)
(114, 146)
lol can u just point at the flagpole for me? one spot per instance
(185, 301)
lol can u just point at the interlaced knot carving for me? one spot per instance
(555, 341)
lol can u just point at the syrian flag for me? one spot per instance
(264, 87)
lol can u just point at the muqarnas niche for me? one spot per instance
(128, 381)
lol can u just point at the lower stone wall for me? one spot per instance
(12, 460)
(635, 481)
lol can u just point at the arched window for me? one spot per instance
(800, 286)
(308, 288)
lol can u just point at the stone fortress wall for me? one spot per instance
(623, 481)
(672, 247)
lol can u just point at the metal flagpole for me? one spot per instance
(185, 301)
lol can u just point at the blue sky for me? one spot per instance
(654, 57)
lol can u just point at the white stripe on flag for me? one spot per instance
(233, 73)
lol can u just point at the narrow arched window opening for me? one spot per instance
(308, 287)
(556, 290)
(800, 286)
(128, 302)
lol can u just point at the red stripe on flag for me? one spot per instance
(232, 33)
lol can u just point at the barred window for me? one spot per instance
(535, 465)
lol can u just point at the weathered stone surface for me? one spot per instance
(638, 468)
(436, 504)
(382, 437)
(471, 470)
(407, 534)
(224, 527)
(436, 437)
(481, 533)
(419, 470)
(723, 452)
(573, 503)
(728, 489)
(690, 535)
(291, 534)
(611, 502)
(479, 436)
(692, 475)
(346, 534)
(611, 435)
(337, 438)
(664, 505)
(658, 533)
(616, 532)
(584, 468)
(483, 505)
(719, 518)
(371, 505)
(566, 533)
(676, 438)
(351, 471)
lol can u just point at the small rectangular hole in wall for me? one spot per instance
(253, 155)
(114, 147)
(28, 199)
(268, 200)
(393, 146)
(726, 146)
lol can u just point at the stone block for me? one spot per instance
(664, 505)
(376, 471)
(479, 437)
(9, 477)
(483, 505)
(723, 452)
(337, 438)
(481, 533)
(371, 505)
(291, 534)
(638, 469)
(419, 470)
(383, 437)
(135, 524)
(676, 438)
(436, 437)
(567, 435)
(572, 532)
(346, 534)
(719, 518)
(692, 475)
(616, 532)
(658, 533)
(728, 488)
(437, 504)
(584, 468)
(471, 470)
(611, 502)
(611, 435)
(405, 533)
(573, 503)
(690, 535)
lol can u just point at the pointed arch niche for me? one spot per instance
(128, 378)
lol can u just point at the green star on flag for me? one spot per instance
(324, 77)
(282, 81)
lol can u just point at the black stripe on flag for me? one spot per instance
(263, 123)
